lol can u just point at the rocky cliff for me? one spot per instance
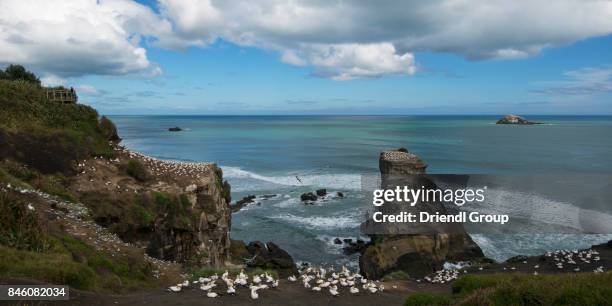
(425, 251)
(178, 211)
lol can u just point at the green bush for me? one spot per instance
(109, 130)
(137, 170)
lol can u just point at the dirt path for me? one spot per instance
(286, 294)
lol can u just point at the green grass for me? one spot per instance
(20, 227)
(53, 267)
(426, 299)
(28, 250)
(72, 262)
(524, 289)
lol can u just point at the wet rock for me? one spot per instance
(271, 256)
(321, 192)
(243, 202)
(354, 247)
(175, 129)
(340, 194)
(308, 196)
(347, 240)
(337, 241)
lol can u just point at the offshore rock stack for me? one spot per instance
(427, 247)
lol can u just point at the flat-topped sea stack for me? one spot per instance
(416, 249)
(513, 119)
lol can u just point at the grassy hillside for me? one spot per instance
(32, 249)
(523, 289)
(48, 136)
(40, 142)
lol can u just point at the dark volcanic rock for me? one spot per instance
(175, 129)
(337, 241)
(270, 256)
(308, 196)
(340, 194)
(242, 203)
(321, 192)
(513, 119)
(354, 247)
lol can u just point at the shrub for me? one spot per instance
(136, 170)
(109, 130)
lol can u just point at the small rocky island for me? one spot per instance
(175, 129)
(513, 119)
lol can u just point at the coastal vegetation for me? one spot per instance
(523, 289)
(53, 150)
(31, 249)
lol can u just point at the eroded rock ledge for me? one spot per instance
(178, 211)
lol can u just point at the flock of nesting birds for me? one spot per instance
(313, 279)
(172, 167)
(567, 258)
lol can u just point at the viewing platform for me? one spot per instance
(63, 95)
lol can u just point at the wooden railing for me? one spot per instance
(62, 95)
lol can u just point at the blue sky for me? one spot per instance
(166, 59)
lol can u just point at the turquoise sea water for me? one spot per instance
(264, 154)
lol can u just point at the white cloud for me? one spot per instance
(77, 37)
(339, 39)
(52, 80)
(350, 61)
(580, 82)
(320, 33)
(88, 90)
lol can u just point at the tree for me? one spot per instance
(18, 72)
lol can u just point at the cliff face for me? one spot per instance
(178, 211)
(425, 251)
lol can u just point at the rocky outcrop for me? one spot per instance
(270, 256)
(243, 202)
(425, 251)
(181, 211)
(308, 197)
(513, 119)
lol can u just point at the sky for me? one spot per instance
(318, 57)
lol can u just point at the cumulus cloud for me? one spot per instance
(338, 39)
(333, 36)
(67, 38)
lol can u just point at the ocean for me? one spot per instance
(285, 156)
